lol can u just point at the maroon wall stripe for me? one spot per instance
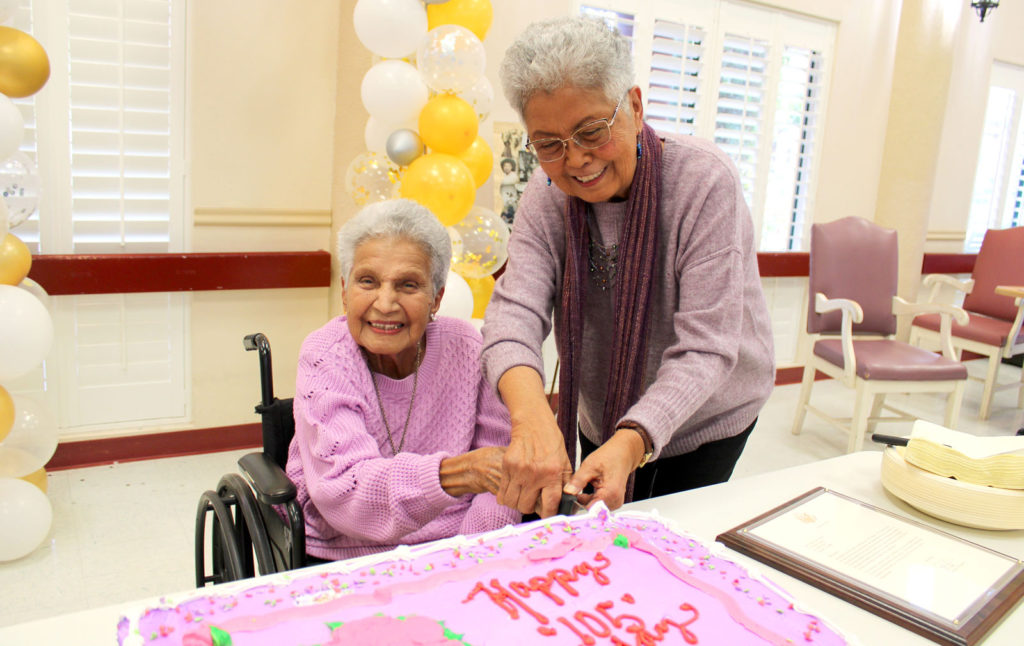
(88, 453)
(133, 273)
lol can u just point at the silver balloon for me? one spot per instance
(404, 146)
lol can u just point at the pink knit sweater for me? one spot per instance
(357, 498)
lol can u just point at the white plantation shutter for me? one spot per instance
(677, 61)
(122, 144)
(107, 132)
(740, 107)
(749, 77)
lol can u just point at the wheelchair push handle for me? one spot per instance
(260, 343)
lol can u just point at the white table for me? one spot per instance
(705, 513)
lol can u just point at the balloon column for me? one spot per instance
(28, 435)
(426, 96)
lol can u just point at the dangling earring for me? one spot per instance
(549, 181)
(639, 149)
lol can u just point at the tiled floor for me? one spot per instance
(125, 531)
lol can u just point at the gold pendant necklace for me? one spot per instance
(408, 416)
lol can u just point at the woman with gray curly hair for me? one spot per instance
(639, 249)
(398, 438)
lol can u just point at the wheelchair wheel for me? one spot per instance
(225, 550)
(249, 524)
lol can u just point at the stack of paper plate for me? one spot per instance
(951, 500)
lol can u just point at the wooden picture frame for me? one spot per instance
(883, 562)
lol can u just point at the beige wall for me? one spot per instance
(276, 117)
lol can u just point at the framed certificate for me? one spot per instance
(947, 589)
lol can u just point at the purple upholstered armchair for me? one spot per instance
(994, 328)
(851, 316)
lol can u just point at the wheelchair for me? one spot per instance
(247, 535)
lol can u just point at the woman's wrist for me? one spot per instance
(647, 446)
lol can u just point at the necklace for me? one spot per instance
(408, 416)
(604, 259)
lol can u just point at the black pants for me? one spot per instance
(709, 464)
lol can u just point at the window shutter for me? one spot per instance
(119, 61)
(740, 105)
(677, 61)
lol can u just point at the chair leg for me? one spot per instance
(805, 396)
(876, 411)
(1020, 390)
(859, 422)
(990, 382)
(953, 405)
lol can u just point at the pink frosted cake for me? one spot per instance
(598, 578)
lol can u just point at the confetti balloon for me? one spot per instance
(484, 237)
(480, 95)
(442, 183)
(448, 124)
(32, 440)
(475, 15)
(371, 177)
(451, 59)
(19, 185)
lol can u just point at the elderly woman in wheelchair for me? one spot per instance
(398, 438)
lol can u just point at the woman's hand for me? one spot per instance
(536, 464)
(478, 471)
(607, 469)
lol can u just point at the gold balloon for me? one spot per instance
(38, 478)
(15, 260)
(474, 15)
(24, 67)
(6, 413)
(480, 159)
(442, 183)
(448, 124)
(482, 289)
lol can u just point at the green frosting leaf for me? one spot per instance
(220, 637)
(621, 541)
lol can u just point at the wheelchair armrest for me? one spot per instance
(268, 479)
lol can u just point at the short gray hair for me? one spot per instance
(403, 219)
(580, 52)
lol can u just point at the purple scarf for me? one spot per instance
(633, 278)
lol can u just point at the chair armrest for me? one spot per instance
(268, 479)
(947, 314)
(937, 281)
(852, 313)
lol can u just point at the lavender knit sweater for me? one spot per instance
(356, 497)
(710, 364)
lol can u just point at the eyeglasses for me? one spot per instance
(590, 135)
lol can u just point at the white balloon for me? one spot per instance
(32, 440)
(12, 127)
(26, 332)
(457, 301)
(25, 518)
(390, 28)
(393, 92)
(7, 10)
(34, 288)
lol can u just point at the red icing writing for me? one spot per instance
(587, 626)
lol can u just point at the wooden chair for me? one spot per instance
(852, 319)
(994, 326)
